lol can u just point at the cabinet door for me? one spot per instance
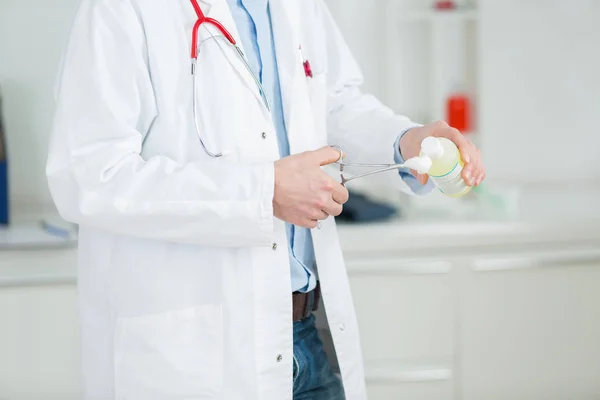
(405, 311)
(405, 308)
(39, 356)
(430, 380)
(411, 391)
(531, 328)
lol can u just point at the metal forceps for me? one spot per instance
(420, 164)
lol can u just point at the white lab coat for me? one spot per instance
(184, 281)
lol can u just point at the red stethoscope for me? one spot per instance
(203, 19)
(206, 21)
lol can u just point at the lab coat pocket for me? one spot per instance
(317, 88)
(172, 355)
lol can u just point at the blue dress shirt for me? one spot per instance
(253, 21)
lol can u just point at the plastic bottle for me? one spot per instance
(458, 112)
(4, 214)
(446, 166)
(445, 5)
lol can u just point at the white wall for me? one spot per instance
(364, 32)
(538, 80)
(540, 89)
(31, 39)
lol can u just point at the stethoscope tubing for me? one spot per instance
(204, 21)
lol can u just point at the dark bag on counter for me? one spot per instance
(361, 209)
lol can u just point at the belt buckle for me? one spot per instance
(308, 305)
(312, 301)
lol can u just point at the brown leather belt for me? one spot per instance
(303, 304)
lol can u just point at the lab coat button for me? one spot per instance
(264, 135)
(279, 358)
(319, 225)
(342, 327)
(274, 246)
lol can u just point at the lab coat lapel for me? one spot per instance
(285, 19)
(219, 10)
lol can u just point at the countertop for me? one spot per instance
(530, 215)
(544, 221)
(39, 267)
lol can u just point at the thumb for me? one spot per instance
(326, 155)
(421, 178)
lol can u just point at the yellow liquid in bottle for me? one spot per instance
(446, 170)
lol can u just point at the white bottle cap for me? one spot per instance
(432, 147)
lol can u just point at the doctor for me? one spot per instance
(198, 275)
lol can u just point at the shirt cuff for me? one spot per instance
(408, 178)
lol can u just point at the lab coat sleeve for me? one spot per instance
(96, 174)
(359, 122)
(411, 181)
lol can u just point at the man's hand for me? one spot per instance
(410, 146)
(304, 194)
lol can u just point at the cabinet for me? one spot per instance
(39, 350)
(39, 343)
(405, 311)
(412, 391)
(516, 321)
(531, 331)
(416, 295)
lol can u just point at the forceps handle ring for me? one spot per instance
(342, 164)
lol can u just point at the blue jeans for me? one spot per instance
(313, 376)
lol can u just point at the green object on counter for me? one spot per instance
(484, 193)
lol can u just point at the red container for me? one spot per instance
(445, 5)
(458, 112)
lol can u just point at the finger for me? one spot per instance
(470, 153)
(467, 173)
(339, 193)
(320, 215)
(478, 171)
(308, 223)
(470, 172)
(421, 178)
(332, 208)
(326, 155)
(481, 170)
(480, 177)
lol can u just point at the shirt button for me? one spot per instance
(274, 246)
(264, 135)
(279, 358)
(342, 327)
(319, 225)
